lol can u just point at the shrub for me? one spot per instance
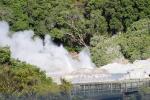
(4, 55)
(135, 46)
(132, 45)
(106, 51)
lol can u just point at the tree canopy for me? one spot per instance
(112, 29)
(73, 22)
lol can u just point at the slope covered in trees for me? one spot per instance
(21, 80)
(73, 22)
(79, 23)
(112, 29)
(132, 45)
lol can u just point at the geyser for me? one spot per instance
(51, 58)
(57, 62)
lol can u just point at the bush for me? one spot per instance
(106, 51)
(132, 45)
(142, 25)
(135, 46)
(4, 55)
(21, 80)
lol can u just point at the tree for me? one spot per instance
(135, 43)
(106, 50)
(132, 45)
(120, 14)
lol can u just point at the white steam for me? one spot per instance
(57, 62)
(50, 58)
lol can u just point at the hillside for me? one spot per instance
(43, 36)
(80, 23)
(21, 80)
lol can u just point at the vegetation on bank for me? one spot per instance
(21, 79)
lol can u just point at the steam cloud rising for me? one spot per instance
(57, 62)
(50, 57)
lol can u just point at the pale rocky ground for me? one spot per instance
(121, 70)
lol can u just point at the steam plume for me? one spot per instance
(50, 57)
(57, 62)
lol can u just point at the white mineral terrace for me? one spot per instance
(140, 69)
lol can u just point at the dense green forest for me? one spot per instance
(98, 24)
(112, 29)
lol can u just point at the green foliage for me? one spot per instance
(140, 26)
(120, 14)
(145, 90)
(73, 22)
(21, 79)
(133, 45)
(4, 55)
(77, 23)
(106, 51)
(98, 25)
(65, 86)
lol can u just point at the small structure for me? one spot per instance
(108, 89)
(90, 83)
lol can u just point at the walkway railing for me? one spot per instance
(109, 88)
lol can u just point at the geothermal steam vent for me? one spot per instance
(58, 63)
